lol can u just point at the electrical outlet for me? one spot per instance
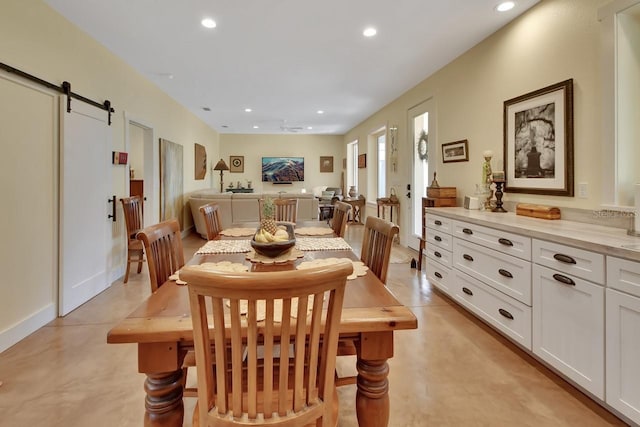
(583, 190)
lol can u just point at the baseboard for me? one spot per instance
(26, 327)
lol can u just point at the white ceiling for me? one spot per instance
(287, 59)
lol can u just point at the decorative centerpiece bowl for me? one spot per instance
(275, 249)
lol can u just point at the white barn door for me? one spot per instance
(85, 183)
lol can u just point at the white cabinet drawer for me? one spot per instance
(440, 223)
(440, 255)
(568, 327)
(507, 315)
(439, 276)
(505, 273)
(508, 243)
(566, 259)
(623, 353)
(623, 275)
(439, 239)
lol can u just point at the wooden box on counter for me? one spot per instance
(440, 197)
(537, 211)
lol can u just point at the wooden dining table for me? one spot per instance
(161, 327)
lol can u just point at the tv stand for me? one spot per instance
(274, 183)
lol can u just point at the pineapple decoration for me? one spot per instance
(268, 222)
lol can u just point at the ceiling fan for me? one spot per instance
(286, 128)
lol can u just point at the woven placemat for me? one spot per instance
(313, 231)
(225, 247)
(290, 255)
(322, 244)
(238, 232)
(359, 268)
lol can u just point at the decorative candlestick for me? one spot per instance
(487, 178)
(498, 179)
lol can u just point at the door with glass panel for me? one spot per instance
(422, 142)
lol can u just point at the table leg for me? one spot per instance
(372, 397)
(163, 403)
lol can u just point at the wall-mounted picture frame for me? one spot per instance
(538, 141)
(200, 166)
(236, 164)
(457, 151)
(326, 163)
(362, 161)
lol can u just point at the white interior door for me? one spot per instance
(421, 120)
(85, 182)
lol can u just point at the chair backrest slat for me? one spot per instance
(260, 378)
(376, 245)
(132, 209)
(163, 246)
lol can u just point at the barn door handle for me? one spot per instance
(112, 215)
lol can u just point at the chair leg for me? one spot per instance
(140, 261)
(126, 274)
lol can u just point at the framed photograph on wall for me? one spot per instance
(326, 163)
(200, 166)
(457, 151)
(362, 161)
(236, 164)
(538, 141)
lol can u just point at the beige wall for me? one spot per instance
(35, 39)
(311, 147)
(554, 41)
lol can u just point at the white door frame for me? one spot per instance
(415, 205)
(151, 168)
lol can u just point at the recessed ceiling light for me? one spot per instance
(320, 112)
(369, 32)
(505, 6)
(256, 127)
(247, 110)
(208, 23)
(309, 127)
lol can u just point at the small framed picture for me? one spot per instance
(457, 151)
(326, 163)
(362, 161)
(236, 164)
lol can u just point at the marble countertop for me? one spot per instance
(607, 240)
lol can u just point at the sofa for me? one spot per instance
(235, 208)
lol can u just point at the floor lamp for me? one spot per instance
(221, 166)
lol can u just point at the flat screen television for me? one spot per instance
(282, 169)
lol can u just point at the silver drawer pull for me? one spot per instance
(467, 257)
(564, 279)
(564, 258)
(467, 231)
(438, 275)
(437, 222)
(505, 313)
(505, 242)
(505, 273)
(437, 254)
(437, 238)
(467, 291)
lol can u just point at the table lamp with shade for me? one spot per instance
(221, 166)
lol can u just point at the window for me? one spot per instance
(352, 164)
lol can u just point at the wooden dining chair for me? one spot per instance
(284, 209)
(376, 252)
(340, 218)
(212, 220)
(132, 208)
(163, 246)
(263, 367)
(376, 245)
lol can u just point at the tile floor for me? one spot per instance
(452, 371)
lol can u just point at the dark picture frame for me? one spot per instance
(236, 164)
(200, 159)
(457, 151)
(362, 161)
(538, 141)
(326, 163)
